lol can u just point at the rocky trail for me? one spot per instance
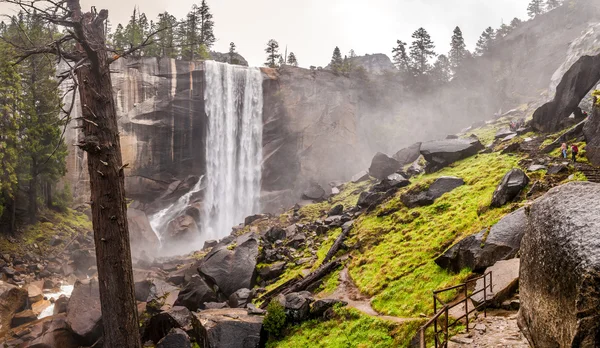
(497, 330)
(349, 293)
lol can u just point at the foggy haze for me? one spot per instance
(312, 28)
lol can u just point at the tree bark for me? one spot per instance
(109, 210)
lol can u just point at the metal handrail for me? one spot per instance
(447, 307)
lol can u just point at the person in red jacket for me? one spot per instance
(574, 152)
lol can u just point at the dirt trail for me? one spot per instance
(347, 291)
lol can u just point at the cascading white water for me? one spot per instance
(234, 105)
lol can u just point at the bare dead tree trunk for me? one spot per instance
(105, 166)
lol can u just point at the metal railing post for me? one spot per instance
(435, 331)
(485, 295)
(423, 343)
(467, 307)
(446, 331)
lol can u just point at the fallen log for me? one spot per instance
(336, 245)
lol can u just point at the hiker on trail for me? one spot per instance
(563, 150)
(574, 152)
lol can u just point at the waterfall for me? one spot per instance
(234, 104)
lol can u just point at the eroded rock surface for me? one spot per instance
(560, 268)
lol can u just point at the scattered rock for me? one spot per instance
(195, 293)
(176, 338)
(560, 278)
(442, 153)
(297, 306)
(337, 210)
(84, 315)
(232, 270)
(382, 166)
(369, 200)
(229, 328)
(558, 169)
(240, 298)
(503, 133)
(313, 192)
(319, 307)
(35, 294)
(12, 300)
(60, 305)
(511, 186)
(272, 271)
(408, 155)
(23, 317)
(536, 167)
(505, 281)
(275, 233)
(503, 242)
(439, 187)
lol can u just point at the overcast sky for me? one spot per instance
(312, 28)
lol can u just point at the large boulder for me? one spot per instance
(382, 166)
(505, 281)
(510, 187)
(503, 242)
(182, 228)
(560, 268)
(442, 153)
(408, 155)
(84, 315)
(314, 191)
(591, 130)
(229, 328)
(235, 269)
(195, 294)
(141, 234)
(159, 325)
(152, 289)
(176, 338)
(56, 333)
(574, 86)
(12, 300)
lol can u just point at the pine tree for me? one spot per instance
(515, 23)
(336, 60)
(421, 51)
(442, 70)
(458, 49)
(352, 54)
(134, 31)
(10, 103)
(206, 25)
(535, 8)
(166, 39)
(485, 41)
(273, 55)
(118, 39)
(400, 57)
(552, 4)
(503, 31)
(292, 59)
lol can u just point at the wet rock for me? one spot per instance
(591, 130)
(536, 167)
(297, 306)
(253, 310)
(272, 271)
(229, 328)
(558, 169)
(503, 133)
(369, 200)
(511, 186)
(442, 153)
(162, 323)
(382, 166)
(313, 192)
(560, 268)
(297, 241)
(439, 187)
(83, 260)
(209, 244)
(195, 293)
(274, 234)
(35, 294)
(12, 300)
(84, 315)
(240, 298)
(503, 242)
(182, 228)
(408, 155)
(152, 289)
(23, 317)
(56, 333)
(319, 307)
(60, 305)
(505, 282)
(337, 210)
(216, 305)
(232, 270)
(176, 338)
(574, 86)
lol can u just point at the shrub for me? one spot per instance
(275, 319)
